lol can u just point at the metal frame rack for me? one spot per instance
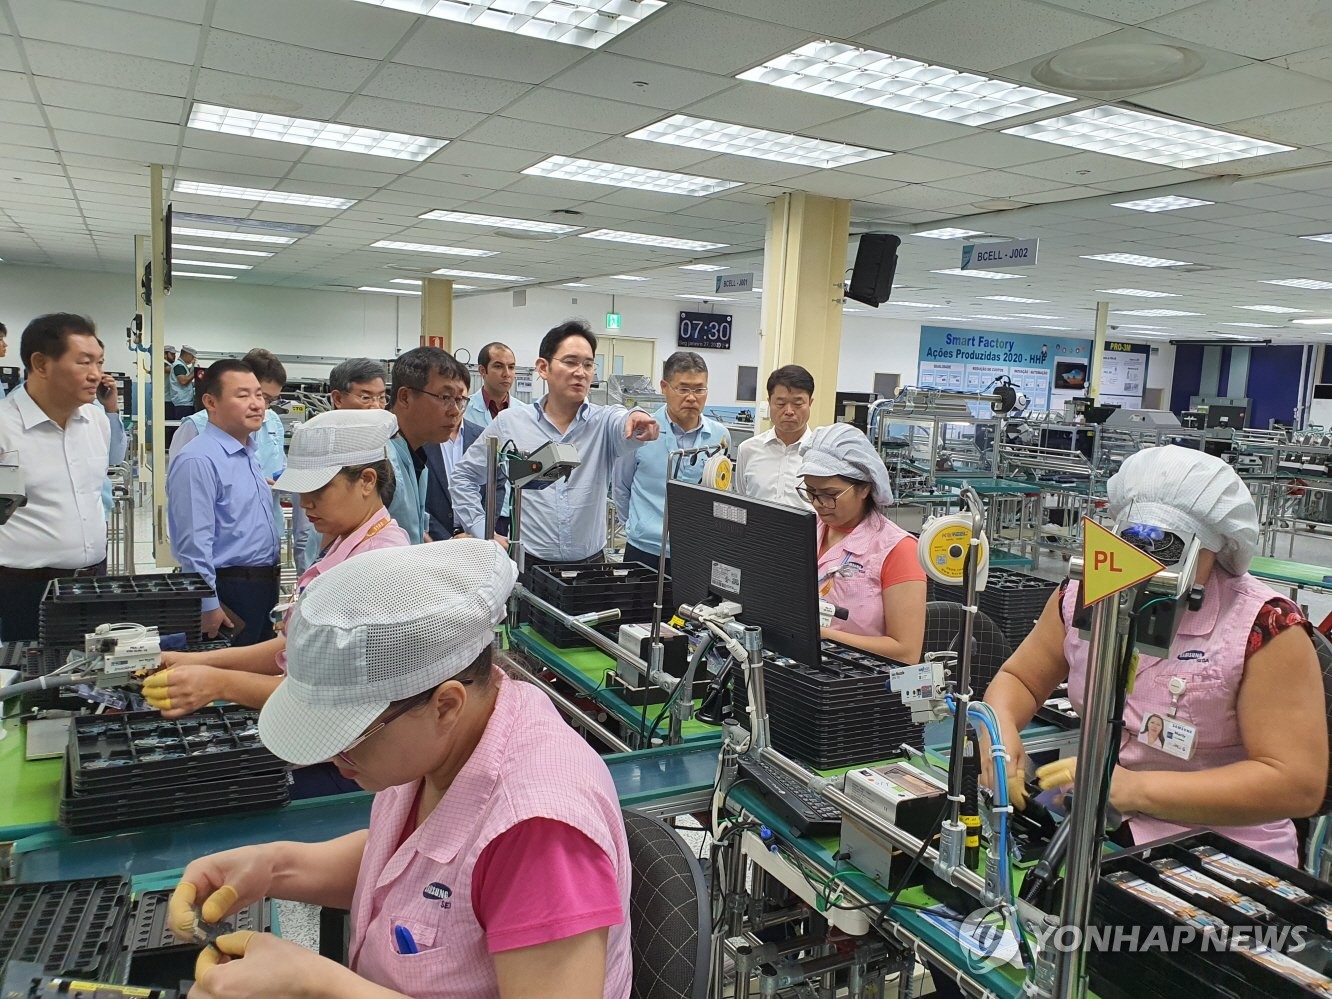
(914, 457)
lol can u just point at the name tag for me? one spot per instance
(1178, 738)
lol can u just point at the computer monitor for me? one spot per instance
(1234, 417)
(762, 555)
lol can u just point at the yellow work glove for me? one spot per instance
(1060, 773)
(229, 945)
(156, 690)
(183, 918)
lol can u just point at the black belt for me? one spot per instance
(251, 573)
(49, 573)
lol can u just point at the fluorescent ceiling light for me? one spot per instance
(197, 274)
(1135, 260)
(388, 291)
(880, 80)
(256, 194)
(231, 250)
(705, 298)
(1035, 315)
(1256, 326)
(305, 132)
(1148, 138)
(1154, 312)
(499, 222)
(1277, 310)
(1309, 284)
(982, 315)
(702, 267)
(1138, 293)
(992, 275)
(1312, 322)
(1322, 237)
(628, 277)
(451, 251)
(449, 272)
(1168, 203)
(575, 284)
(758, 143)
(1064, 328)
(589, 23)
(418, 282)
(907, 305)
(638, 178)
(951, 319)
(643, 239)
(232, 224)
(947, 233)
(212, 263)
(244, 237)
(1015, 298)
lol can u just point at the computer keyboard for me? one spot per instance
(807, 813)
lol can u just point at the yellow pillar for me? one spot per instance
(437, 313)
(804, 260)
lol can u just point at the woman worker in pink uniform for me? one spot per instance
(1242, 745)
(495, 863)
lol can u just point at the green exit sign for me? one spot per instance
(613, 320)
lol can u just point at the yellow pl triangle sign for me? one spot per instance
(1111, 564)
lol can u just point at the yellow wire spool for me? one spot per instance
(717, 472)
(944, 542)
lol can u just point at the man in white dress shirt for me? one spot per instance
(62, 443)
(768, 463)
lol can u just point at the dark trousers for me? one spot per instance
(252, 594)
(21, 592)
(632, 553)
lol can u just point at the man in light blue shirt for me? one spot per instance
(566, 521)
(498, 368)
(220, 506)
(639, 486)
(180, 386)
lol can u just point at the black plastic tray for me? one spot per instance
(145, 587)
(74, 928)
(580, 588)
(157, 958)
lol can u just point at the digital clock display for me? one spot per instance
(707, 330)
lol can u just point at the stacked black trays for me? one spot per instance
(157, 957)
(839, 713)
(70, 928)
(137, 769)
(580, 588)
(73, 607)
(1012, 600)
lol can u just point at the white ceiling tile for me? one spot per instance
(637, 81)
(1312, 62)
(424, 194)
(890, 130)
(357, 29)
(465, 48)
(1060, 194)
(449, 90)
(464, 153)
(19, 136)
(244, 147)
(1252, 29)
(414, 119)
(1308, 126)
(9, 54)
(910, 168)
(1142, 182)
(106, 29)
(21, 113)
(777, 108)
(835, 184)
(997, 184)
(90, 123)
(1125, 11)
(844, 19)
(994, 150)
(698, 38)
(180, 10)
(91, 65)
(651, 155)
(963, 34)
(454, 173)
(553, 108)
(338, 175)
(14, 87)
(109, 100)
(921, 196)
(514, 133)
(748, 170)
(269, 60)
(335, 159)
(271, 96)
(1089, 169)
(1248, 92)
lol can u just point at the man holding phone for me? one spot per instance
(63, 444)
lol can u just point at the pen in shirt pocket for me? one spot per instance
(404, 939)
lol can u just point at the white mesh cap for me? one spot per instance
(188, 350)
(378, 628)
(1185, 491)
(168, 349)
(842, 450)
(323, 446)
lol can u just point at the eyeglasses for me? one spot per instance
(383, 723)
(271, 400)
(824, 499)
(574, 363)
(689, 392)
(455, 402)
(369, 399)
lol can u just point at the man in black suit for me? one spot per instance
(440, 459)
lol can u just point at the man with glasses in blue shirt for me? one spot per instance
(639, 489)
(565, 522)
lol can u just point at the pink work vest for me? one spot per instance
(1208, 654)
(849, 572)
(528, 764)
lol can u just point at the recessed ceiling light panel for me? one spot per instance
(213, 263)
(588, 23)
(638, 178)
(1148, 138)
(321, 134)
(1308, 284)
(1016, 298)
(258, 194)
(1276, 310)
(881, 80)
(1138, 293)
(388, 291)
(449, 272)
(1169, 203)
(448, 251)
(1154, 312)
(499, 222)
(1135, 260)
(229, 250)
(628, 277)
(199, 274)
(702, 267)
(947, 233)
(644, 239)
(240, 237)
(759, 143)
(991, 275)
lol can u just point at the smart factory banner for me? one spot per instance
(1047, 370)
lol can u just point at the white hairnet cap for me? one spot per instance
(380, 627)
(1187, 492)
(842, 450)
(341, 438)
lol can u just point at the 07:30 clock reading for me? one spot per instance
(703, 329)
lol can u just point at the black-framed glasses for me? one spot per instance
(824, 499)
(455, 402)
(392, 716)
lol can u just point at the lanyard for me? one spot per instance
(827, 579)
(379, 525)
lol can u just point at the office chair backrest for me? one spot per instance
(944, 623)
(670, 926)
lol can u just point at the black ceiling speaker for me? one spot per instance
(876, 262)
